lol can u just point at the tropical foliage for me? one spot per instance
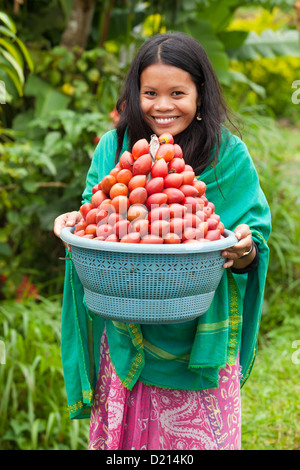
(60, 93)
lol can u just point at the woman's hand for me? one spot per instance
(66, 220)
(234, 254)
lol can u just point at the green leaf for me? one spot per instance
(8, 21)
(30, 186)
(269, 44)
(7, 32)
(242, 78)
(202, 31)
(5, 249)
(47, 98)
(233, 39)
(12, 50)
(14, 64)
(14, 77)
(26, 54)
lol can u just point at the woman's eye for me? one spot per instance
(177, 93)
(150, 93)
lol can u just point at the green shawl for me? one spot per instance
(188, 355)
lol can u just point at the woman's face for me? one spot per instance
(168, 98)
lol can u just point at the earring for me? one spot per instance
(198, 115)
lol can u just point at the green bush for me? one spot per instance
(276, 76)
(276, 152)
(42, 175)
(33, 405)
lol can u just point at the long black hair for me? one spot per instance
(200, 141)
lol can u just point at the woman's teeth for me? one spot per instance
(164, 120)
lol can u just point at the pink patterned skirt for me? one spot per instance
(154, 418)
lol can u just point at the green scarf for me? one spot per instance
(188, 355)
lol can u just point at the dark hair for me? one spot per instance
(201, 137)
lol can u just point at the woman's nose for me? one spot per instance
(163, 103)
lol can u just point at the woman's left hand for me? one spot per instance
(234, 254)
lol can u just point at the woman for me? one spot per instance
(174, 386)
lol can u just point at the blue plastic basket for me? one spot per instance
(139, 283)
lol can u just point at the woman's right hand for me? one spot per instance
(66, 220)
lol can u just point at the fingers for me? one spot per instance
(66, 220)
(244, 244)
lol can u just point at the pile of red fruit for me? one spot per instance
(150, 197)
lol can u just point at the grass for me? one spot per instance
(270, 399)
(270, 404)
(33, 406)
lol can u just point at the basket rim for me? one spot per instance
(218, 245)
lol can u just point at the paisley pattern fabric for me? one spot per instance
(154, 418)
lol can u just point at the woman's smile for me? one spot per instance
(168, 98)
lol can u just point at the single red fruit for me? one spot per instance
(152, 239)
(166, 152)
(166, 138)
(221, 227)
(126, 160)
(82, 224)
(189, 190)
(173, 180)
(112, 238)
(136, 212)
(159, 227)
(155, 200)
(138, 196)
(213, 235)
(178, 151)
(98, 197)
(159, 213)
(174, 195)
(91, 229)
(142, 165)
(212, 223)
(85, 208)
(172, 238)
(200, 186)
(80, 233)
(120, 204)
(101, 216)
(124, 176)
(176, 165)
(107, 182)
(133, 237)
(141, 147)
(118, 189)
(121, 228)
(188, 176)
(177, 210)
(160, 168)
(155, 185)
(141, 226)
(104, 230)
(137, 181)
(91, 216)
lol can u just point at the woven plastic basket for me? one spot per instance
(139, 283)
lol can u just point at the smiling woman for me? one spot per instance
(163, 64)
(169, 98)
(161, 386)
